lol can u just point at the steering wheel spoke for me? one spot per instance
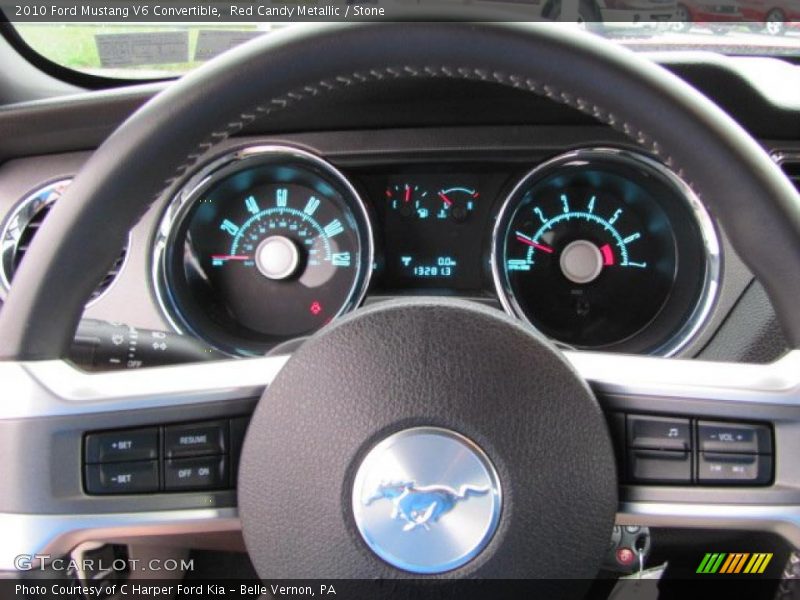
(767, 394)
(55, 404)
(51, 406)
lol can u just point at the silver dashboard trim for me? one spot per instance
(19, 218)
(55, 387)
(58, 534)
(783, 156)
(627, 375)
(31, 535)
(783, 520)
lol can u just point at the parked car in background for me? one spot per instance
(709, 13)
(775, 15)
(636, 11)
(610, 14)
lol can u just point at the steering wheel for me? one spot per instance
(527, 418)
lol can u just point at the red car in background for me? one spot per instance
(776, 15)
(707, 13)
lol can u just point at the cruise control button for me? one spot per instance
(658, 466)
(659, 433)
(122, 478)
(196, 439)
(205, 473)
(733, 437)
(741, 469)
(119, 446)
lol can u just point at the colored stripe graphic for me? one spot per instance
(758, 563)
(711, 562)
(734, 563)
(703, 564)
(737, 564)
(729, 562)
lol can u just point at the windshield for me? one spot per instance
(125, 48)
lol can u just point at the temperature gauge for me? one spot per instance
(456, 203)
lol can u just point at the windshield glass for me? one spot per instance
(124, 48)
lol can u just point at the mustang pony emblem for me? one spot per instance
(421, 506)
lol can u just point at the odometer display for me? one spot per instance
(270, 248)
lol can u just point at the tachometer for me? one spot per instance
(273, 244)
(599, 249)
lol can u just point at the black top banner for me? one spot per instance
(280, 11)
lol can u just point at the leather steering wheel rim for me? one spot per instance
(161, 142)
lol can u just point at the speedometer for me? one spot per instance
(271, 245)
(600, 249)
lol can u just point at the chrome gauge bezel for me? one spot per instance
(203, 179)
(685, 332)
(20, 217)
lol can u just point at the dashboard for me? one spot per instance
(596, 248)
(564, 225)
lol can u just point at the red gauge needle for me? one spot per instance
(445, 199)
(526, 240)
(230, 257)
(408, 195)
(608, 254)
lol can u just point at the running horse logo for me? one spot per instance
(421, 506)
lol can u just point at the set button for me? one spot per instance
(120, 446)
(122, 477)
(170, 458)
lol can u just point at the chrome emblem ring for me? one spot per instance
(426, 500)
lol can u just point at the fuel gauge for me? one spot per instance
(409, 199)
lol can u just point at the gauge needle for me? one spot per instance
(230, 257)
(445, 199)
(408, 194)
(608, 254)
(526, 240)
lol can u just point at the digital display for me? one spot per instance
(441, 266)
(434, 230)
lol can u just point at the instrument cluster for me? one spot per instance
(601, 248)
